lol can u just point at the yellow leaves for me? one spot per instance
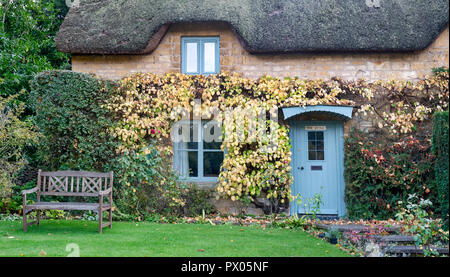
(253, 166)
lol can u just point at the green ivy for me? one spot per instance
(69, 114)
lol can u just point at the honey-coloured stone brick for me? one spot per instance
(371, 66)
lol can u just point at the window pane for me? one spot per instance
(193, 163)
(192, 145)
(212, 145)
(319, 145)
(319, 135)
(191, 57)
(186, 163)
(320, 155)
(193, 135)
(210, 57)
(211, 163)
(186, 135)
(316, 146)
(212, 135)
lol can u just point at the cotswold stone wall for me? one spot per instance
(233, 57)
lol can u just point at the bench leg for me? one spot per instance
(110, 218)
(100, 221)
(38, 218)
(24, 220)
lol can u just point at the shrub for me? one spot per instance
(333, 233)
(74, 125)
(378, 175)
(426, 231)
(14, 136)
(146, 185)
(440, 149)
(197, 201)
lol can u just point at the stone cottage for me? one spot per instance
(351, 39)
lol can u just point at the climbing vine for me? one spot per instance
(146, 107)
(400, 107)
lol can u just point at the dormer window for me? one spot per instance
(200, 55)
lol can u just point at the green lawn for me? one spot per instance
(151, 239)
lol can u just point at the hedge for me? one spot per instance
(69, 114)
(440, 142)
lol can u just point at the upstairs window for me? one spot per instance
(200, 55)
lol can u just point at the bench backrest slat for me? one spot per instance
(73, 183)
(74, 173)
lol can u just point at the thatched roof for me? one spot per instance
(265, 26)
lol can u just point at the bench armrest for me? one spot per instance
(28, 191)
(105, 192)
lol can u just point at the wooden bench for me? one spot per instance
(71, 183)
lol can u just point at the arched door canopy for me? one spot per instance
(344, 112)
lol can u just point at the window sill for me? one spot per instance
(201, 184)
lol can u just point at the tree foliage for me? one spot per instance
(27, 31)
(14, 136)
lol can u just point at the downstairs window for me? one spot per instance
(197, 153)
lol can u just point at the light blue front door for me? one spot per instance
(317, 164)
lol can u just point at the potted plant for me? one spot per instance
(333, 235)
(321, 235)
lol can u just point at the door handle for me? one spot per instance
(301, 168)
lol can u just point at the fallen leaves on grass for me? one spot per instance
(235, 220)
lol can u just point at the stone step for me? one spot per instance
(394, 239)
(412, 249)
(319, 216)
(357, 227)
